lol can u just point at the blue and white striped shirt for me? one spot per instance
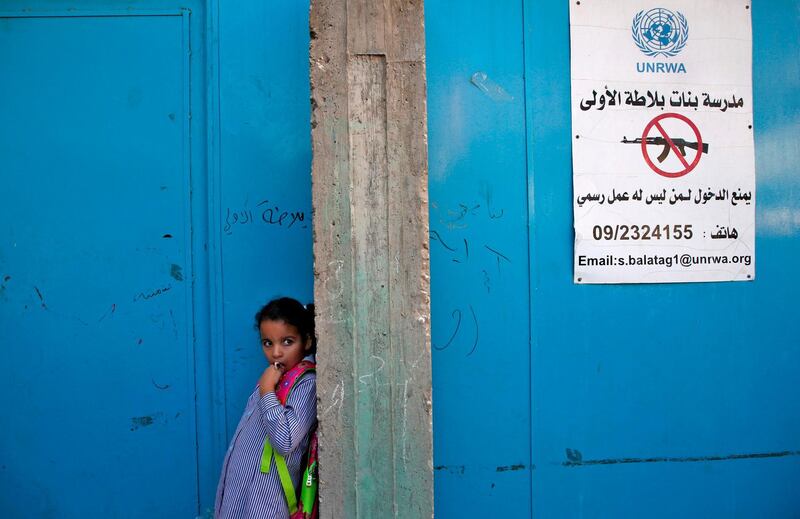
(243, 491)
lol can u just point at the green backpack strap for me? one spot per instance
(282, 393)
(283, 472)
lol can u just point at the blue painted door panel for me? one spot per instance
(609, 401)
(479, 258)
(551, 400)
(265, 167)
(96, 315)
(149, 260)
(664, 400)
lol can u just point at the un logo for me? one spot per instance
(660, 32)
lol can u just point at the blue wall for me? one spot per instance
(260, 205)
(264, 178)
(130, 353)
(97, 262)
(155, 163)
(654, 400)
(479, 258)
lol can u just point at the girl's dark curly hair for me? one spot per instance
(290, 311)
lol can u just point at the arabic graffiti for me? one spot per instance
(265, 213)
(464, 236)
(460, 253)
(457, 314)
(459, 218)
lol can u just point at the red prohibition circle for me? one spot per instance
(687, 166)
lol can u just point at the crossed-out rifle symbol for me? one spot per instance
(681, 144)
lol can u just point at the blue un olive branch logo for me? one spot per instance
(660, 32)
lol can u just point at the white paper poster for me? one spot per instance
(662, 141)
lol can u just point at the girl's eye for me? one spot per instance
(266, 344)
(288, 342)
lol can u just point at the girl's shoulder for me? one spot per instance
(307, 383)
(308, 377)
(304, 390)
(309, 371)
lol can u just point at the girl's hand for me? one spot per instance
(269, 379)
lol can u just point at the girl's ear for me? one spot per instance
(307, 345)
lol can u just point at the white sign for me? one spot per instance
(662, 157)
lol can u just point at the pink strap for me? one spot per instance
(287, 381)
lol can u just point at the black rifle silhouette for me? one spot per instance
(661, 141)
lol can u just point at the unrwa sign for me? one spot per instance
(660, 32)
(660, 68)
(678, 206)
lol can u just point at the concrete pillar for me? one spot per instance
(371, 258)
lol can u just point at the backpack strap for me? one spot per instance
(290, 378)
(283, 474)
(285, 385)
(308, 492)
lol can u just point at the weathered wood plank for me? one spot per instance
(371, 258)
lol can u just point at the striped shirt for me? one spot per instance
(243, 491)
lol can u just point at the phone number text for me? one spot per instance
(642, 232)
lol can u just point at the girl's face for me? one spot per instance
(283, 343)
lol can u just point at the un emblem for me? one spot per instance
(660, 32)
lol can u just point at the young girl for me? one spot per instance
(247, 488)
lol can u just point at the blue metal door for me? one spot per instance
(479, 259)
(155, 164)
(557, 400)
(264, 226)
(130, 269)
(97, 318)
(665, 400)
